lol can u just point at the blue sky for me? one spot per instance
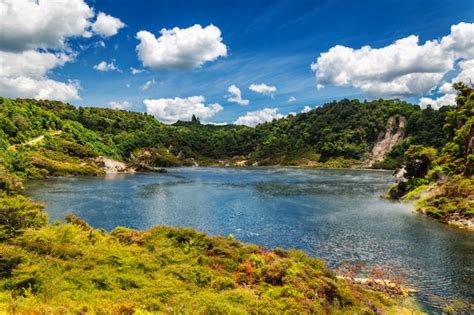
(271, 42)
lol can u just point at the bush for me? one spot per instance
(452, 197)
(275, 272)
(60, 164)
(9, 182)
(419, 160)
(18, 213)
(71, 218)
(9, 260)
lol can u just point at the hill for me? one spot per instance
(344, 132)
(441, 179)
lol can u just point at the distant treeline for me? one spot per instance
(345, 129)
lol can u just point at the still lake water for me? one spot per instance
(331, 214)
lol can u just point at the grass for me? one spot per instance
(452, 197)
(74, 269)
(60, 164)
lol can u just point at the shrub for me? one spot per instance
(9, 182)
(275, 272)
(71, 218)
(18, 213)
(128, 236)
(419, 160)
(9, 260)
(223, 283)
(454, 196)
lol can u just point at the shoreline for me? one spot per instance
(453, 219)
(266, 166)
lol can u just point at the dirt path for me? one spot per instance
(34, 140)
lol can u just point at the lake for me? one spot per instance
(335, 215)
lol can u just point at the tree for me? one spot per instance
(18, 213)
(195, 120)
(419, 159)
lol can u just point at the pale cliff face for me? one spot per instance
(387, 139)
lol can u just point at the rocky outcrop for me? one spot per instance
(111, 166)
(151, 159)
(143, 160)
(462, 222)
(388, 138)
(191, 162)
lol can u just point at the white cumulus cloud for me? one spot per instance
(178, 48)
(466, 75)
(29, 25)
(34, 40)
(107, 25)
(170, 110)
(404, 68)
(460, 41)
(24, 74)
(48, 24)
(104, 66)
(236, 96)
(263, 88)
(252, 119)
(120, 105)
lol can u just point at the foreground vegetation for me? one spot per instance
(71, 268)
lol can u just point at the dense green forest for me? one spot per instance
(343, 131)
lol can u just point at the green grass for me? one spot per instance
(452, 197)
(59, 164)
(72, 269)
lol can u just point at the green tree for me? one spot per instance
(419, 159)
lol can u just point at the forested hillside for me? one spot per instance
(344, 130)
